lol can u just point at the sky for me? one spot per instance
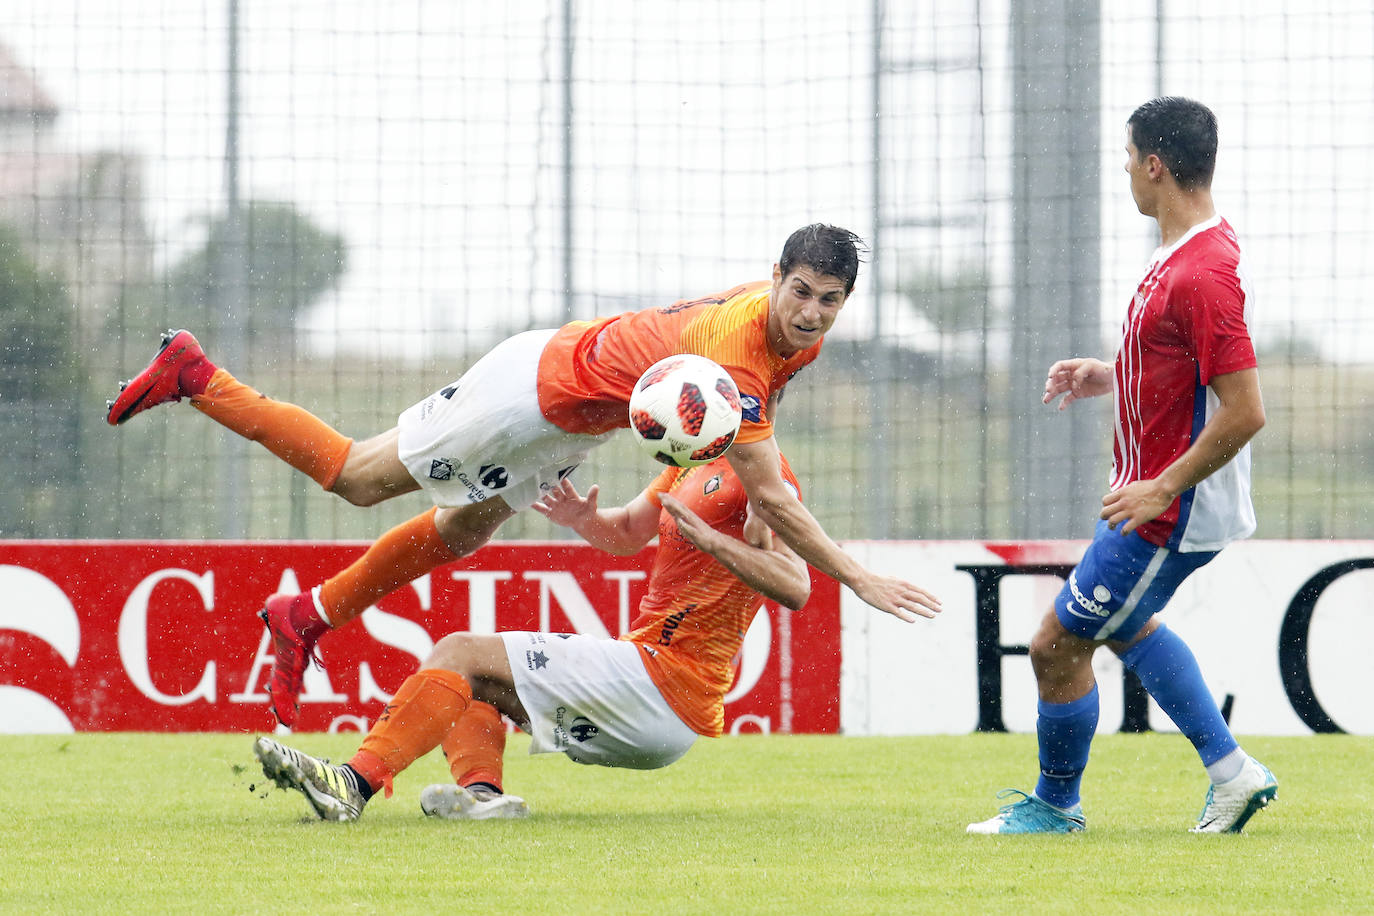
(429, 134)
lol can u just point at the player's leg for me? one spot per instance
(407, 552)
(476, 745)
(1170, 673)
(425, 708)
(1065, 724)
(373, 471)
(461, 670)
(1167, 668)
(403, 554)
(1067, 710)
(363, 473)
(474, 751)
(429, 706)
(1098, 598)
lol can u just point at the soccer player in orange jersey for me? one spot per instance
(639, 701)
(521, 419)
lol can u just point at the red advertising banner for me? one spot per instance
(164, 636)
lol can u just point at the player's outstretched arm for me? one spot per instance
(1239, 415)
(1080, 377)
(761, 561)
(623, 530)
(758, 466)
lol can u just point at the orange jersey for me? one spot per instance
(589, 368)
(693, 619)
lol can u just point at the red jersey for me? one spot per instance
(589, 368)
(693, 619)
(1187, 323)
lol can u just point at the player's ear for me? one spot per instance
(777, 275)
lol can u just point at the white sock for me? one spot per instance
(1227, 768)
(319, 605)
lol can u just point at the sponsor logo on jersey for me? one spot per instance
(671, 623)
(441, 469)
(711, 486)
(751, 408)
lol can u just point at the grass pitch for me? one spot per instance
(781, 824)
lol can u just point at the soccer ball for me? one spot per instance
(685, 410)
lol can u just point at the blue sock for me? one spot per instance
(1167, 668)
(1066, 732)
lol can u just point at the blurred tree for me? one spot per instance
(956, 302)
(40, 373)
(36, 314)
(289, 263)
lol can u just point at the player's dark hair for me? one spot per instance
(828, 250)
(1182, 133)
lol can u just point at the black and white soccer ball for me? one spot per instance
(685, 410)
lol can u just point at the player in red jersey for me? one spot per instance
(1187, 404)
(639, 701)
(520, 420)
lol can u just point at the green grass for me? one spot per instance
(804, 824)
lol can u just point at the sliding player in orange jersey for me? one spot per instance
(639, 701)
(520, 420)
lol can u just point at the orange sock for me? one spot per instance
(403, 554)
(475, 746)
(418, 717)
(292, 433)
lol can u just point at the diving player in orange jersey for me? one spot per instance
(520, 420)
(639, 701)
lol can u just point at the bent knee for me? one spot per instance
(453, 652)
(1055, 652)
(356, 492)
(466, 528)
(1044, 645)
(480, 658)
(373, 472)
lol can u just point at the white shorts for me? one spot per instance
(484, 435)
(590, 698)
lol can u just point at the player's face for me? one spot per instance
(1141, 186)
(803, 308)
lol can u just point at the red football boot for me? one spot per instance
(292, 651)
(179, 370)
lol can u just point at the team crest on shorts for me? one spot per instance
(441, 469)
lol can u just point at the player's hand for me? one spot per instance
(1081, 377)
(1135, 504)
(562, 504)
(689, 524)
(896, 597)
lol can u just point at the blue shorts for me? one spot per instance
(1121, 582)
